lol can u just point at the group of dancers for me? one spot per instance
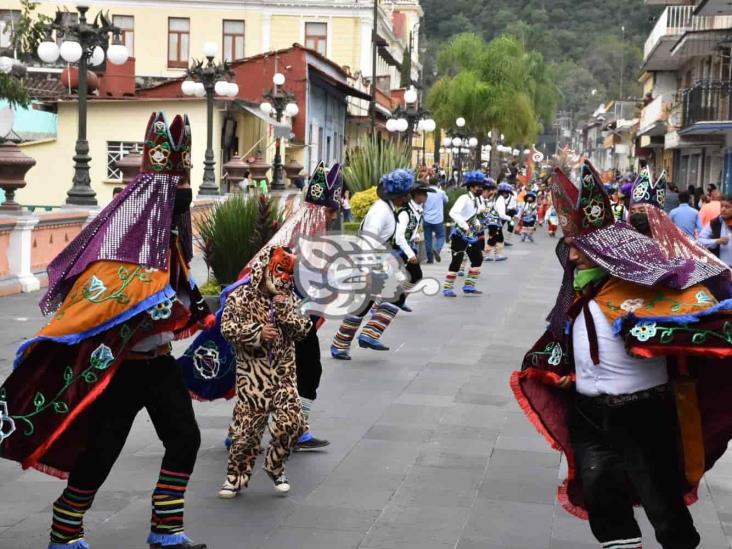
(616, 383)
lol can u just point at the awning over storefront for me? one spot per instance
(282, 129)
(707, 128)
(342, 87)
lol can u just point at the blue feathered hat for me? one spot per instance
(395, 184)
(490, 183)
(504, 187)
(474, 178)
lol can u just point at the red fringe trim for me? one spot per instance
(571, 508)
(525, 405)
(47, 469)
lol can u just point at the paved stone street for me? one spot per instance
(430, 450)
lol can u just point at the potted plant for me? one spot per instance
(230, 234)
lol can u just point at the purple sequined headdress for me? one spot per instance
(588, 224)
(135, 226)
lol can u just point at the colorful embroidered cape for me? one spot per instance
(653, 322)
(46, 402)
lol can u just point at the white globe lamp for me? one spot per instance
(232, 89)
(210, 49)
(391, 125)
(403, 124)
(266, 107)
(457, 142)
(291, 109)
(70, 51)
(460, 122)
(117, 54)
(221, 88)
(97, 57)
(200, 90)
(473, 142)
(447, 142)
(410, 96)
(48, 51)
(429, 125)
(188, 87)
(278, 79)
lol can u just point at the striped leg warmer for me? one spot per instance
(307, 407)
(472, 278)
(449, 283)
(166, 525)
(67, 529)
(347, 332)
(380, 320)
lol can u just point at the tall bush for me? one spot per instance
(371, 159)
(233, 231)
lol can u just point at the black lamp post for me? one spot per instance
(207, 79)
(279, 102)
(410, 118)
(458, 139)
(88, 45)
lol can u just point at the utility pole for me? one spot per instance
(622, 62)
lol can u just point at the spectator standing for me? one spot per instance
(716, 235)
(712, 209)
(672, 200)
(434, 222)
(346, 207)
(685, 217)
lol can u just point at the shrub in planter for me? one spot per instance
(362, 201)
(351, 227)
(233, 231)
(370, 159)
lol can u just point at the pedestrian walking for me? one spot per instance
(434, 221)
(710, 210)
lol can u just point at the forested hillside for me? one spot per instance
(583, 40)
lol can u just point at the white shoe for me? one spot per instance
(231, 488)
(281, 483)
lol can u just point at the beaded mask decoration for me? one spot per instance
(167, 146)
(584, 210)
(647, 192)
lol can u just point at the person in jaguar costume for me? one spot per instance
(261, 320)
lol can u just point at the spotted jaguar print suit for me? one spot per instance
(265, 375)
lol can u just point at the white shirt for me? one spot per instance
(465, 207)
(380, 221)
(402, 223)
(501, 206)
(618, 373)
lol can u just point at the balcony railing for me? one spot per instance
(676, 20)
(706, 101)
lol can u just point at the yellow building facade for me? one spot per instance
(164, 36)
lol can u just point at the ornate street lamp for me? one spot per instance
(460, 142)
(87, 44)
(279, 102)
(207, 79)
(410, 118)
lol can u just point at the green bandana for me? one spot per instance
(587, 276)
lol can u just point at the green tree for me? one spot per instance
(497, 87)
(405, 71)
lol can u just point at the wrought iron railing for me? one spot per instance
(706, 101)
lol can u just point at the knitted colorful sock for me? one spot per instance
(449, 283)
(472, 278)
(67, 528)
(166, 524)
(347, 332)
(380, 320)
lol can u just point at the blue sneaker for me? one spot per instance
(501, 258)
(471, 290)
(367, 342)
(461, 273)
(308, 442)
(228, 441)
(449, 293)
(340, 354)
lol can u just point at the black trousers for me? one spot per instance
(459, 247)
(307, 364)
(631, 449)
(156, 385)
(495, 235)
